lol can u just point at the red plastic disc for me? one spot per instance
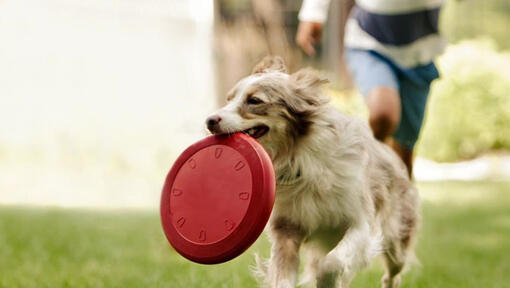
(217, 198)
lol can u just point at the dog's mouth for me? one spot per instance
(257, 131)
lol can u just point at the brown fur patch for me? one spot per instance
(248, 113)
(296, 103)
(299, 121)
(270, 63)
(378, 200)
(284, 226)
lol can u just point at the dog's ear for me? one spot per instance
(270, 63)
(308, 85)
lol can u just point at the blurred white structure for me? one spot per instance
(97, 97)
(494, 167)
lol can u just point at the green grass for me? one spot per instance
(465, 242)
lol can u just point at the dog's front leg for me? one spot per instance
(284, 262)
(352, 253)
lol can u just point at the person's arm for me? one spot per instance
(312, 15)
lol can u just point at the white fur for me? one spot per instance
(330, 183)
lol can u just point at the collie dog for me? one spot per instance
(342, 197)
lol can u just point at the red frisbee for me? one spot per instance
(217, 198)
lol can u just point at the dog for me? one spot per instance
(341, 196)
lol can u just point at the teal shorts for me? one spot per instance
(372, 70)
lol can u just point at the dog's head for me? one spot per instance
(271, 105)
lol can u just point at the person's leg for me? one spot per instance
(404, 153)
(384, 106)
(414, 90)
(384, 111)
(378, 83)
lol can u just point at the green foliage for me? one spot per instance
(468, 113)
(468, 19)
(464, 243)
(469, 107)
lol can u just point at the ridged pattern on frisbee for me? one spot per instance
(217, 198)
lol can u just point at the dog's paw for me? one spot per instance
(390, 282)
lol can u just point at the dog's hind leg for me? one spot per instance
(399, 247)
(394, 259)
(354, 252)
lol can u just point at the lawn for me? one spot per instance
(465, 242)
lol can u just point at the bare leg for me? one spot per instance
(405, 154)
(384, 109)
(385, 112)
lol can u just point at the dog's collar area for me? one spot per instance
(286, 180)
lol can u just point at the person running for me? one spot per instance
(390, 46)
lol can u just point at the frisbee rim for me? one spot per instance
(253, 221)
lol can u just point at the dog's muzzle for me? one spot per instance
(213, 123)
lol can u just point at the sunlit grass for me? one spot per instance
(464, 243)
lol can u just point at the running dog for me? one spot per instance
(341, 196)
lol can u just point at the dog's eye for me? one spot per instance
(254, 100)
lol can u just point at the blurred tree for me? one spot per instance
(467, 19)
(247, 30)
(469, 109)
(468, 113)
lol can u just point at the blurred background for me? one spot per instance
(98, 97)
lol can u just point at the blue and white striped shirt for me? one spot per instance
(406, 31)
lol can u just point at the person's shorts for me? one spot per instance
(372, 70)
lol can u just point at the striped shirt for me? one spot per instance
(406, 31)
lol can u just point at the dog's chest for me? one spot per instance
(310, 208)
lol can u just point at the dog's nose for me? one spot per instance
(212, 122)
